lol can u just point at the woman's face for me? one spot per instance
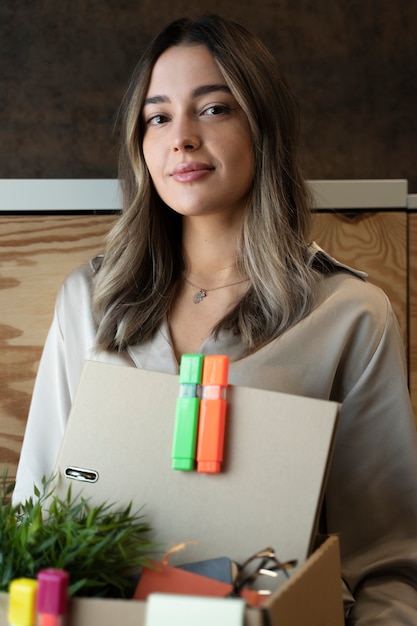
(197, 141)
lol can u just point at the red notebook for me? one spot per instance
(161, 578)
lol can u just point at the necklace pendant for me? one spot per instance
(199, 296)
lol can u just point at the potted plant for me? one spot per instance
(98, 546)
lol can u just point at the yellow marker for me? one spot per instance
(22, 602)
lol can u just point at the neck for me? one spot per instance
(210, 253)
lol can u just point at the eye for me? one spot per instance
(156, 120)
(216, 109)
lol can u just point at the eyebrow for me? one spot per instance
(198, 91)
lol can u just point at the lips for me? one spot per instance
(188, 172)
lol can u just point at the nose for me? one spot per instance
(186, 137)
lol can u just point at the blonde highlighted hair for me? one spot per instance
(142, 264)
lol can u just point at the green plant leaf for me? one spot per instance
(96, 545)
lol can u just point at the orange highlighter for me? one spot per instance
(212, 419)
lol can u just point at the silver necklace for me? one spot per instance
(202, 293)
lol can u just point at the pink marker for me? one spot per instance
(52, 597)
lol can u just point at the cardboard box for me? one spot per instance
(278, 449)
(277, 454)
(312, 597)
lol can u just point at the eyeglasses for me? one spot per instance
(263, 563)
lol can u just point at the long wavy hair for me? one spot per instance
(143, 262)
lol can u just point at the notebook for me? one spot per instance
(277, 453)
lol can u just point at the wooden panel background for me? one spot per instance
(36, 253)
(412, 269)
(374, 242)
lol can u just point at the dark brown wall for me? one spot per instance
(64, 65)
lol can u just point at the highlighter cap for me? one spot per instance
(52, 591)
(22, 602)
(209, 467)
(186, 465)
(190, 368)
(216, 370)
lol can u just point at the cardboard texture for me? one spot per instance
(312, 597)
(268, 493)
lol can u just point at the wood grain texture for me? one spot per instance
(412, 245)
(375, 243)
(36, 253)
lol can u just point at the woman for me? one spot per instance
(212, 255)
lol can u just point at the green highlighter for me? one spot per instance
(186, 414)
